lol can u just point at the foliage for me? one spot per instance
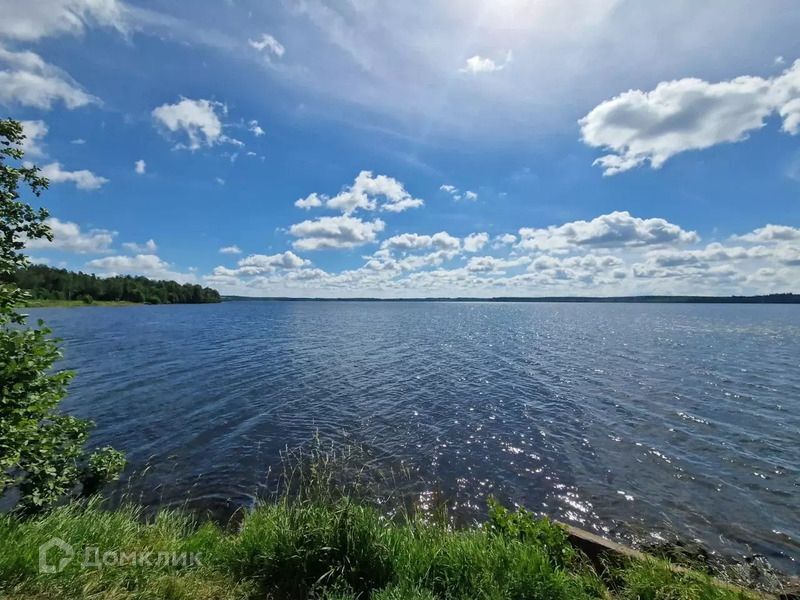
(47, 283)
(104, 465)
(340, 550)
(524, 526)
(42, 452)
(655, 580)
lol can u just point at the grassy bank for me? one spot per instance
(75, 303)
(336, 549)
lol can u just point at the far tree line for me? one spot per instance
(46, 283)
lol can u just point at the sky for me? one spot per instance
(415, 149)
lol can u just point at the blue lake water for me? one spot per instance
(612, 416)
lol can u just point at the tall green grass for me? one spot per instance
(312, 550)
(324, 536)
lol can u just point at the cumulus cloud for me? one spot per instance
(140, 167)
(491, 264)
(83, 179)
(261, 263)
(475, 241)
(68, 237)
(616, 229)
(595, 257)
(313, 200)
(149, 247)
(34, 133)
(32, 21)
(28, 80)
(146, 263)
(370, 193)
(639, 127)
(230, 250)
(479, 64)
(267, 43)
(335, 232)
(469, 195)
(505, 239)
(413, 241)
(770, 234)
(197, 120)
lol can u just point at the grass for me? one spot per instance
(337, 550)
(323, 536)
(74, 303)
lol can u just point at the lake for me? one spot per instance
(615, 417)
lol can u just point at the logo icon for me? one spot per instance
(55, 547)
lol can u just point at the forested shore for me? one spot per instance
(45, 283)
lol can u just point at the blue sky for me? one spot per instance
(367, 148)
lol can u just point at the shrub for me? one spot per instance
(42, 453)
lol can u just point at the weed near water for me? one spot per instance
(329, 530)
(305, 549)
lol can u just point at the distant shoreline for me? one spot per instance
(763, 299)
(75, 303)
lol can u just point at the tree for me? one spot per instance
(42, 453)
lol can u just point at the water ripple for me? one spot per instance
(606, 415)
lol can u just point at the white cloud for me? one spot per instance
(370, 192)
(230, 250)
(771, 233)
(219, 180)
(261, 263)
(78, 141)
(612, 254)
(140, 167)
(412, 241)
(146, 263)
(456, 193)
(475, 241)
(34, 133)
(68, 237)
(616, 229)
(335, 232)
(29, 81)
(198, 120)
(83, 179)
(268, 43)
(255, 129)
(345, 74)
(478, 64)
(313, 200)
(149, 247)
(490, 264)
(505, 239)
(34, 20)
(452, 190)
(688, 114)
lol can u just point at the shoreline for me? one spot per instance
(107, 303)
(759, 299)
(75, 303)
